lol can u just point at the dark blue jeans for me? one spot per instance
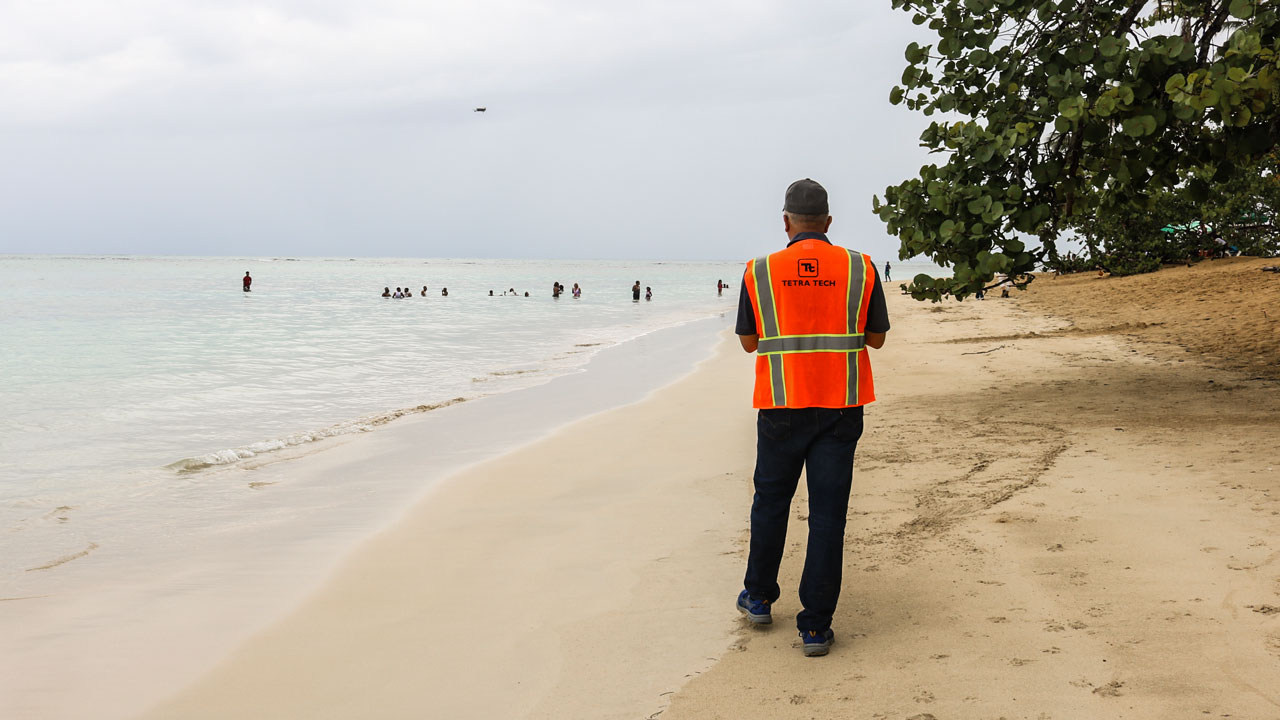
(823, 441)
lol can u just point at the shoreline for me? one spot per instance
(540, 574)
(310, 510)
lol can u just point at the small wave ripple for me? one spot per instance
(362, 424)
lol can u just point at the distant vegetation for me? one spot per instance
(1109, 120)
(1239, 215)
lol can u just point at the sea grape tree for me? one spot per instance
(1052, 111)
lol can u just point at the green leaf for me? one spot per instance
(1242, 9)
(1134, 120)
(895, 95)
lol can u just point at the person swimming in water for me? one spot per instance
(444, 292)
(386, 292)
(648, 293)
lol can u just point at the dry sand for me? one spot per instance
(1226, 311)
(1051, 519)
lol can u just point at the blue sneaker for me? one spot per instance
(757, 611)
(817, 644)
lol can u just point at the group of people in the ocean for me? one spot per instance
(408, 293)
(557, 289)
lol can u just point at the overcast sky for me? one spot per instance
(639, 129)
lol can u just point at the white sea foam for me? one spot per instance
(363, 424)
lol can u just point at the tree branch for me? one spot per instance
(1206, 40)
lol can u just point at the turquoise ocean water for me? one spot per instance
(126, 377)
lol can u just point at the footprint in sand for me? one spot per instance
(1111, 689)
(59, 513)
(1273, 643)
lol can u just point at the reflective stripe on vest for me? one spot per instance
(855, 311)
(769, 319)
(776, 346)
(811, 343)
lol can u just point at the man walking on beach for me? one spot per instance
(248, 281)
(809, 312)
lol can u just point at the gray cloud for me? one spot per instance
(653, 129)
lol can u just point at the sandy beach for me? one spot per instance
(1054, 516)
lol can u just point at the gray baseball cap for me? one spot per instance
(806, 197)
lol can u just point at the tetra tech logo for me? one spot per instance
(807, 267)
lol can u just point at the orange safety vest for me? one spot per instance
(810, 302)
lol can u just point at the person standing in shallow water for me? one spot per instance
(809, 312)
(248, 282)
(635, 291)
